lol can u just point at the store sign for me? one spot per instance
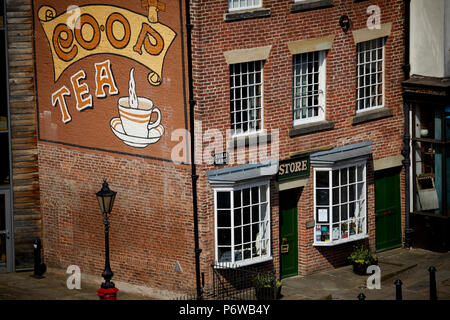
(293, 168)
(110, 74)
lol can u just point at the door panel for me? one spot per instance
(388, 210)
(289, 233)
(5, 239)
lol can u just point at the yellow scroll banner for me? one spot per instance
(101, 29)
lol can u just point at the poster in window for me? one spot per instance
(335, 233)
(322, 215)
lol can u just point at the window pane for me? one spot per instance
(223, 200)
(238, 253)
(351, 192)
(264, 215)
(223, 218)
(351, 174)
(237, 236)
(247, 234)
(352, 228)
(255, 213)
(322, 197)
(336, 217)
(224, 254)
(351, 209)
(237, 198)
(237, 217)
(344, 197)
(246, 215)
(344, 230)
(335, 178)
(336, 232)
(255, 231)
(263, 191)
(336, 196)
(223, 237)
(322, 178)
(344, 212)
(255, 197)
(343, 176)
(246, 196)
(4, 159)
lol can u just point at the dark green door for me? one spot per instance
(288, 233)
(387, 210)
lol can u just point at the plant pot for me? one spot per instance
(360, 268)
(264, 293)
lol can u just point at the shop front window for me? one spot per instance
(340, 204)
(242, 218)
(431, 159)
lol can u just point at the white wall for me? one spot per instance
(430, 38)
(447, 38)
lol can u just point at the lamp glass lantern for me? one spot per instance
(106, 198)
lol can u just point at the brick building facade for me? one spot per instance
(280, 36)
(309, 115)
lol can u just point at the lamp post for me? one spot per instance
(106, 199)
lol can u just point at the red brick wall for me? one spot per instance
(212, 36)
(151, 221)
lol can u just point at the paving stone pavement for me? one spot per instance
(408, 265)
(53, 286)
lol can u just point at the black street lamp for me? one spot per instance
(106, 199)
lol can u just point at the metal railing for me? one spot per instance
(233, 282)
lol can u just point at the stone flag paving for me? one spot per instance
(408, 265)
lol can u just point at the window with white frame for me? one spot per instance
(309, 87)
(370, 75)
(246, 97)
(242, 224)
(243, 4)
(340, 204)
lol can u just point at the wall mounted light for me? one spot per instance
(344, 22)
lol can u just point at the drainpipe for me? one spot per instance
(194, 175)
(407, 137)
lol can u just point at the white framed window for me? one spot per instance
(309, 72)
(340, 204)
(242, 224)
(243, 4)
(370, 75)
(246, 97)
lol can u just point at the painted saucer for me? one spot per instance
(138, 142)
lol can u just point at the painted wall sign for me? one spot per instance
(293, 168)
(110, 74)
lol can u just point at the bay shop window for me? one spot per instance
(242, 220)
(340, 196)
(242, 223)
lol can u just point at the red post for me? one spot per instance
(107, 294)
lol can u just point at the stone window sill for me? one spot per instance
(372, 115)
(244, 141)
(310, 128)
(310, 5)
(246, 14)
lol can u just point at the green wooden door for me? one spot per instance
(388, 210)
(288, 233)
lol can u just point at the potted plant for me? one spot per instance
(264, 287)
(361, 258)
